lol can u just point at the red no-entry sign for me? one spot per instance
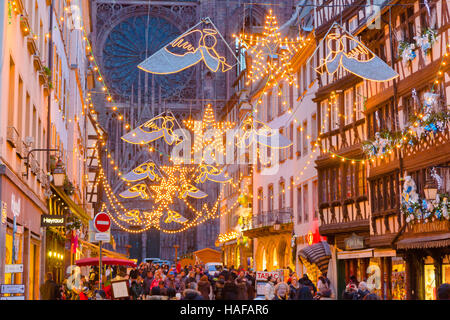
(102, 222)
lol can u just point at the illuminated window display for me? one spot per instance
(430, 282)
(398, 279)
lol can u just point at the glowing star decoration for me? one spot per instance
(145, 170)
(255, 131)
(200, 128)
(138, 190)
(195, 45)
(156, 128)
(164, 192)
(352, 55)
(209, 172)
(271, 55)
(173, 216)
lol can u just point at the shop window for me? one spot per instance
(359, 101)
(446, 269)
(299, 204)
(324, 116)
(430, 282)
(398, 279)
(348, 106)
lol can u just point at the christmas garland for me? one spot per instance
(424, 41)
(419, 128)
(417, 209)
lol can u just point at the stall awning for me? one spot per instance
(105, 252)
(105, 261)
(430, 241)
(76, 209)
(318, 254)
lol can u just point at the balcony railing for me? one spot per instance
(269, 218)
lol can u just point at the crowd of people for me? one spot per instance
(163, 282)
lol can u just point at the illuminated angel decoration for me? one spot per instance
(192, 191)
(138, 190)
(155, 128)
(143, 171)
(209, 172)
(173, 216)
(190, 48)
(135, 217)
(353, 56)
(255, 131)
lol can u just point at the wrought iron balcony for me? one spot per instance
(269, 218)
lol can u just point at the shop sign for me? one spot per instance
(15, 205)
(4, 212)
(354, 242)
(51, 220)
(309, 238)
(263, 275)
(12, 288)
(13, 268)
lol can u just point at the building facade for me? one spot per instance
(43, 91)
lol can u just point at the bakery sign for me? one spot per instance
(51, 220)
(354, 242)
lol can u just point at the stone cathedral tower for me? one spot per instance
(124, 33)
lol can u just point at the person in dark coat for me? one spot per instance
(443, 292)
(349, 292)
(242, 288)
(304, 293)
(230, 289)
(49, 289)
(362, 291)
(218, 288)
(204, 286)
(148, 282)
(305, 281)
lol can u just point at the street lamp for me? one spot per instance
(430, 190)
(59, 174)
(27, 160)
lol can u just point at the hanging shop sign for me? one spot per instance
(13, 298)
(354, 242)
(50, 220)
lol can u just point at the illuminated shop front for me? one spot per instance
(236, 249)
(426, 250)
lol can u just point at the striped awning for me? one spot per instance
(318, 254)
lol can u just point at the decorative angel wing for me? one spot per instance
(132, 217)
(173, 216)
(355, 57)
(138, 190)
(211, 173)
(152, 130)
(264, 135)
(145, 170)
(178, 55)
(192, 191)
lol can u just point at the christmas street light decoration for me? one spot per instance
(143, 171)
(197, 44)
(138, 190)
(271, 55)
(158, 127)
(353, 56)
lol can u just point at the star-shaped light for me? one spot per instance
(271, 56)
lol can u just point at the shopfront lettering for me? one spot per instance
(48, 220)
(15, 205)
(354, 242)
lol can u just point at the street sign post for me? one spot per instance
(13, 268)
(12, 288)
(102, 224)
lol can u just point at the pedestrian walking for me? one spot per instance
(49, 289)
(294, 288)
(281, 291)
(361, 292)
(242, 288)
(269, 289)
(443, 292)
(204, 287)
(230, 289)
(218, 288)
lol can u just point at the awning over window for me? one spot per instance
(424, 242)
(318, 254)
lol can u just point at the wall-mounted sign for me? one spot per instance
(12, 288)
(15, 205)
(50, 220)
(13, 268)
(354, 242)
(4, 212)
